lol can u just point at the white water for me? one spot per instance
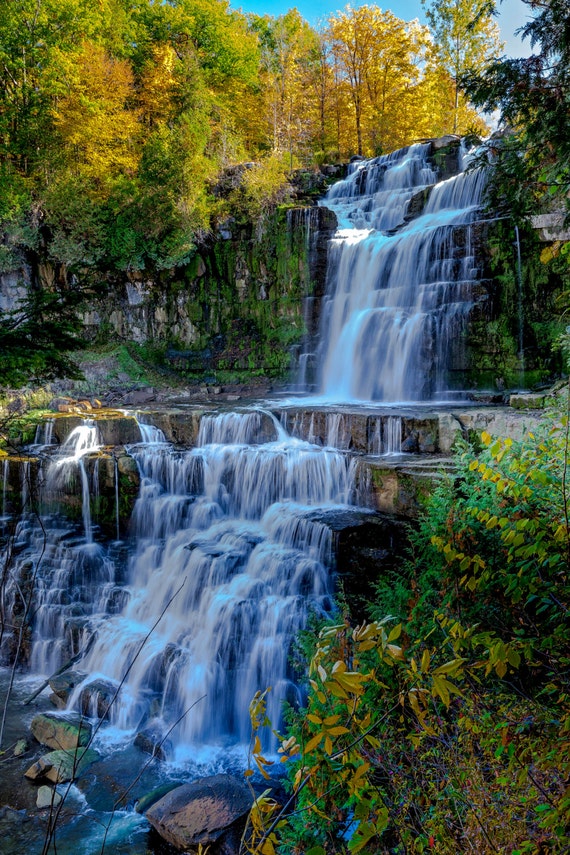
(81, 442)
(398, 293)
(228, 563)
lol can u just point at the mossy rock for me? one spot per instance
(65, 732)
(61, 766)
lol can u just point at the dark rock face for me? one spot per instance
(151, 739)
(62, 686)
(211, 812)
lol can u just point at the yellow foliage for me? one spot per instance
(98, 127)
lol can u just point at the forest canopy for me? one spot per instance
(116, 117)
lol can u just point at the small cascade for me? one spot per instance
(44, 433)
(392, 435)
(229, 428)
(337, 433)
(401, 280)
(150, 434)
(82, 441)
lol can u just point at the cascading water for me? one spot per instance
(227, 562)
(399, 290)
(223, 552)
(82, 441)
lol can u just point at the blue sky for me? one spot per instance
(513, 14)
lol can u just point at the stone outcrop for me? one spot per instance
(210, 812)
(153, 740)
(47, 797)
(62, 686)
(96, 697)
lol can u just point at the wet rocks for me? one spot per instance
(62, 685)
(96, 697)
(60, 731)
(61, 766)
(527, 401)
(211, 812)
(47, 797)
(152, 740)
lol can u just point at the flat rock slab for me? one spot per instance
(64, 732)
(205, 811)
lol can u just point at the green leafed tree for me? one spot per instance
(532, 95)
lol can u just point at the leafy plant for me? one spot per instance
(446, 728)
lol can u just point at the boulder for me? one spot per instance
(62, 685)
(149, 799)
(209, 811)
(20, 747)
(47, 797)
(96, 698)
(61, 766)
(151, 740)
(526, 401)
(60, 731)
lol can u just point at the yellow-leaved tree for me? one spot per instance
(96, 115)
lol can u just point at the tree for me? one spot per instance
(466, 38)
(97, 126)
(36, 338)
(380, 66)
(288, 47)
(532, 162)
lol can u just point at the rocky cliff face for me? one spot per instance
(249, 302)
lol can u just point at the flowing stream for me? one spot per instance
(226, 563)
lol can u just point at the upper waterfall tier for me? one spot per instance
(399, 287)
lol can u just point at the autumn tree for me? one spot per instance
(466, 38)
(97, 126)
(288, 48)
(380, 61)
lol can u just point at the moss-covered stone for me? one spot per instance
(65, 732)
(61, 766)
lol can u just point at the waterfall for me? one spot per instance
(399, 289)
(226, 558)
(82, 441)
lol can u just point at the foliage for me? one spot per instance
(466, 39)
(36, 338)
(117, 119)
(446, 729)
(532, 162)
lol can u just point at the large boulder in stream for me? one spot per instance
(211, 812)
(61, 731)
(97, 697)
